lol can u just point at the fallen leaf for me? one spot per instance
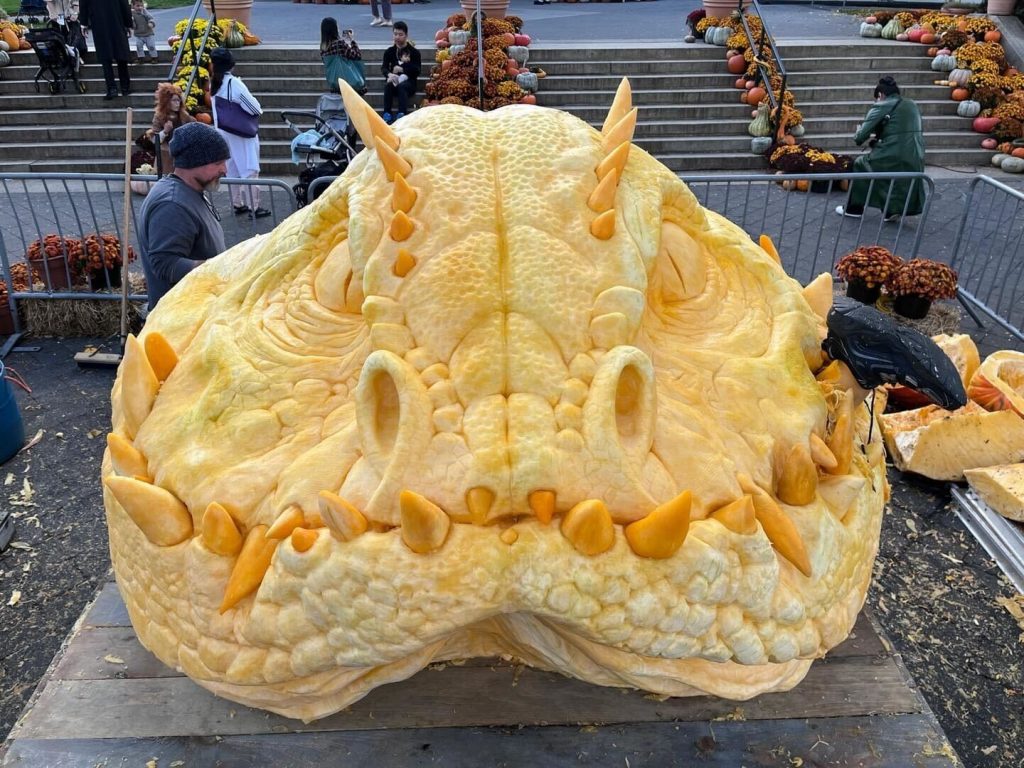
(9, 479)
(151, 763)
(93, 433)
(989, 750)
(15, 598)
(113, 659)
(911, 525)
(21, 545)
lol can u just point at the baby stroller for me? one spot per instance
(59, 61)
(326, 149)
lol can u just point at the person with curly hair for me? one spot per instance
(168, 114)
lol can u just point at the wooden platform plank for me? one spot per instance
(502, 695)
(108, 609)
(891, 742)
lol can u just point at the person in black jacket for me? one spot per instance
(110, 22)
(401, 67)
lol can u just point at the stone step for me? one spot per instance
(864, 81)
(882, 64)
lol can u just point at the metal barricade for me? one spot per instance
(988, 252)
(85, 207)
(808, 233)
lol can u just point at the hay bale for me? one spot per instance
(77, 317)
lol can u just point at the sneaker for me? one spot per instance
(842, 212)
(399, 116)
(240, 209)
(387, 118)
(388, 23)
(892, 218)
(259, 213)
(377, 22)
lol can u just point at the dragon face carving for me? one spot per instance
(505, 388)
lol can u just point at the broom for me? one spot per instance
(95, 358)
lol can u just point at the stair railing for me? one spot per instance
(766, 42)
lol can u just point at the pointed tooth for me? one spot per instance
(876, 454)
(424, 524)
(603, 197)
(661, 533)
(220, 534)
(250, 567)
(603, 227)
(509, 536)
(840, 442)
(139, 386)
(620, 132)
(614, 160)
(382, 132)
(401, 227)
(357, 109)
(344, 521)
(840, 491)
(392, 161)
(403, 197)
(303, 539)
(404, 263)
(542, 504)
(822, 454)
(479, 501)
(798, 480)
(286, 522)
(622, 103)
(126, 459)
(780, 530)
(738, 516)
(588, 527)
(818, 294)
(159, 514)
(769, 247)
(161, 354)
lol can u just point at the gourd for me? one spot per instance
(520, 53)
(985, 124)
(458, 37)
(760, 125)
(233, 38)
(1013, 164)
(902, 37)
(998, 384)
(968, 108)
(759, 145)
(893, 28)
(960, 76)
(943, 63)
(527, 81)
(870, 30)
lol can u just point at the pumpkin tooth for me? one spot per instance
(344, 521)
(603, 196)
(357, 109)
(621, 104)
(424, 524)
(621, 131)
(661, 533)
(392, 161)
(139, 386)
(161, 355)
(509, 536)
(479, 501)
(822, 454)
(542, 504)
(404, 262)
(250, 568)
(382, 132)
(768, 247)
(160, 515)
(286, 522)
(126, 459)
(603, 227)
(403, 196)
(303, 539)
(614, 160)
(780, 530)
(738, 516)
(840, 442)
(839, 492)
(589, 528)
(220, 534)
(401, 227)
(798, 480)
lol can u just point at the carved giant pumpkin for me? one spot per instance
(505, 388)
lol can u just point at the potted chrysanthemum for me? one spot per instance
(866, 270)
(919, 282)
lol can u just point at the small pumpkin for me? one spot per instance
(720, 36)
(458, 37)
(737, 65)
(204, 117)
(1006, 147)
(993, 36)
(871, 20)
(4, 46)
(457, 48)
(527, 81)
(989, 144)
(1013, 165)
(928, 38)
(508, 39)
(943, 63)
(968, 108)
(520, 53)
(984, 124)
(797, 130)
(760, 145)
(914, 34)
(5, 58)
(960, 94)
(893, 28)
(441, 34)
(933, 51)
(1018, 152)
(741, 83)
(9, 37)
(24, 45)
(528, 99)
(756, 95)
(902, 37)
(870, 30)
(997, 159)
(802, 185)
(960, 76)
(522, 39)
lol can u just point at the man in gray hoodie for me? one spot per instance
(179, 228)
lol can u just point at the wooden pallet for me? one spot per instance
(106, 701)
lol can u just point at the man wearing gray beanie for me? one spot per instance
(178, 226)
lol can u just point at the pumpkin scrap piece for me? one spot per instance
(1001, 487)
(998, 384)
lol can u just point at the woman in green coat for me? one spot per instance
(897, 146)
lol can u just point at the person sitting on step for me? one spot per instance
(401, 67)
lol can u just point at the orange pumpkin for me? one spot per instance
(1018, 152)
(928, 38)
(998, 384)
(9, 37)
(528, 99)
(933, 51)
(960, 94)
(802, 185)
(756, 95)
(24, 44)
(993, 36)
(741, 84)
(1006, 148)
(737, 65)
(204, 117)
(509, 39)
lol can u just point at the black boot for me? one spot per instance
(124, 77)
(108, 76)
(111, 94)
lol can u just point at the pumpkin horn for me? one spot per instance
(621, 105)
(358, 112)
(159, 514)
(620, 132)
(139, 385)
(381, 131)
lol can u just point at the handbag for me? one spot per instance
(352, 71)
(234, 118)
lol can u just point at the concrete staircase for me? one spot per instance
(690, 114)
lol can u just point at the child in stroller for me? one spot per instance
(326, 149)
(59, 60)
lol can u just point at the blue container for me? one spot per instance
(12, 430)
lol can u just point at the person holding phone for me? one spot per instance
(341, 57)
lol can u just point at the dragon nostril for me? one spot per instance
(386, 411)
(629, 402)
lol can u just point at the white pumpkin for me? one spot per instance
(1013, 164)
(968, 108)
(943, 63)
(870, 30)
(960, 76)
(997, 159)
